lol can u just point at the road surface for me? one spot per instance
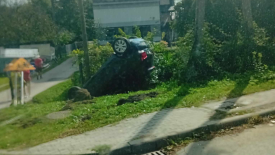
(50, 78)
(255, 141)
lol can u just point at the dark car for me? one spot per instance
(128, 69)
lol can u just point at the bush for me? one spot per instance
(98, 55)
(76, 80)
(227, 43)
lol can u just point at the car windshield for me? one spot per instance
(137, 77)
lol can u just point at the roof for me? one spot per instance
(17, 45)
(18, 53)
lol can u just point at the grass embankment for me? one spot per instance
(34, 128)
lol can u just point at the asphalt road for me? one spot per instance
(50, 78)
(256, 141)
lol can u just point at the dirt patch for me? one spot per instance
(59, 115)
(86, 117)
(70, 104)
(70, 133)
(137, 98)
(31, 123)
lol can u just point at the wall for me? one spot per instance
(127, 13)
(164, 2)
(45, 50)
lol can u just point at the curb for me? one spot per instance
(142, 147)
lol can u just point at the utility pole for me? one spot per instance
(53, 10)
(84, 36)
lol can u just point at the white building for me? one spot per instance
(125, 14)
(46, 51)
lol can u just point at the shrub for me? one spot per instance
(98, 55)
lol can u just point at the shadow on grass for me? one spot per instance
(153, 123)
(237, 91)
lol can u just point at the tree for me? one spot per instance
(25, 23)
(67, 17)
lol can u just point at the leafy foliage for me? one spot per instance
(25, 23)
(227, 45)
(137, 32)
(42, 21)
(67, 17)
(65, 37)
(121, 34)
(98, 56)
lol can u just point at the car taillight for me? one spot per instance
(143, 56)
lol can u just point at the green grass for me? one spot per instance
(4, 81)
(34, 128)
(55, 93)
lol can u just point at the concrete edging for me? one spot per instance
(158, 143)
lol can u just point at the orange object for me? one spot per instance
(20, 64)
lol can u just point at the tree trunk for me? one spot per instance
(200, 15)
(247, 14)
(195, 61)
(53, 11)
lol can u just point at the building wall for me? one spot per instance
(125, 14)
(45, 50)
(164, 2)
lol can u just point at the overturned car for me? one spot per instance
(128, 69)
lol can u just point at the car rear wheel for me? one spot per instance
(120, 46)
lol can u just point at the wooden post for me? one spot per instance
(22, 87)
(15, 90)
(81, 73)
(11, 86)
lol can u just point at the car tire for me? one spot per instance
(121, 46)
